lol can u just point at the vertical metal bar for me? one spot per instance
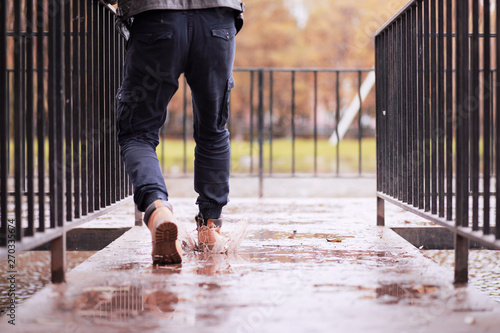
(403, 107)
(51, 106)
(271, 132)
(293, 123)
(378, 108)
(103, 119)
(184, 126)
(23, 109)
(138, 217)
(113, 164)
(487, 116)
(90, 110)
(83, 107)
(59, 106)
(461, 259)
(18, 116)
(420, 101)
(315, 110)
(386, 115)
(76, 109)
(119, 78)
(393, 113)
(388, 65)
(414, 103)
(68, 110)
(4, 124)
(117, 81)
(387, 157)
(58, 259)
(96, 138)
(433, 110)
(30, 114)
(380, 212)
(108, 56)
(8, 98)
(449, 110)
(379, 115)
(474, 110)
(462, 138)
(408, 108)
(399, 109)
(261, 133)
(497, 124)
(40, 121)
(121, 52)
(427, 111)
(360, 128)
(441, 107)
(251, 120)
(462, 114)
(337, 120)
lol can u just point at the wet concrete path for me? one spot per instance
(313, 265)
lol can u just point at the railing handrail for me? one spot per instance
(396, 16)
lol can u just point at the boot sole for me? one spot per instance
(166, 248)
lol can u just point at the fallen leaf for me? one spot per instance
(334, 240)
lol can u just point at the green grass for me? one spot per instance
(245, 158)
(171, 154)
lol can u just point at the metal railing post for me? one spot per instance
(4, 124)
(58, 259)
(261, 133)
(462, 137)
(138, 217)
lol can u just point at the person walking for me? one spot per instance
(166, 38)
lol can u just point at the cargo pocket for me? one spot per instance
(224, 33)
(125, 108)
(224, 112)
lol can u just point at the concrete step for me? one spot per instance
(310, 265)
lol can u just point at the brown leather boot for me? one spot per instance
(208, 232)
(161, 222)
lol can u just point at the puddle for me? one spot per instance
(33, 273)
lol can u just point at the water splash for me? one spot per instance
(226, 242)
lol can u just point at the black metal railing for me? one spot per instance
(60, 64)
(271, 104)
(438, 128)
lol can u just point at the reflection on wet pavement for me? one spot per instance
(33, 273)
(123, 303)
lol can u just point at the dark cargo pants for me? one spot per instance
(164, 44)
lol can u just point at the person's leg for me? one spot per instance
(209, 74)
(153, 64)
(154, 61)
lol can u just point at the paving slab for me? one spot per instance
(309, 265)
